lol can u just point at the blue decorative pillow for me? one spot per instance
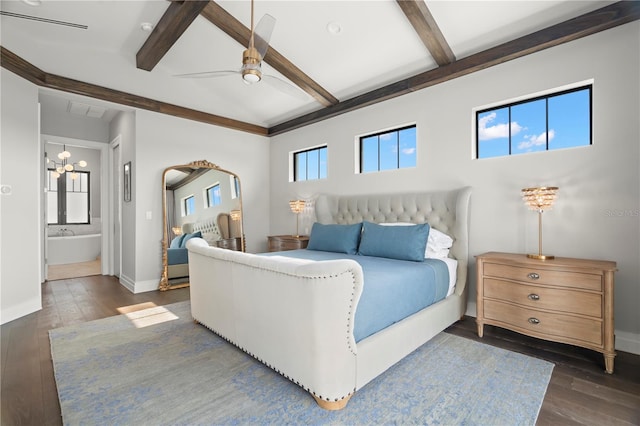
(335, 238)
(175, 243)
(187, 237)
(394, 242)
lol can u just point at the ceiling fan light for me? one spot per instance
(251, 76)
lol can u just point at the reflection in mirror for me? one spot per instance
(199, 199)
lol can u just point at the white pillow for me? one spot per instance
(438, 244)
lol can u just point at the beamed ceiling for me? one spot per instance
(340, 55)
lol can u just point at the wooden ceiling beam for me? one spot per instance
(236, 30)
(590, 23)
(176, 19)
(602, 19)
(422, 21)
(26, 70)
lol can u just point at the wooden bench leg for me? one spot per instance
(332, 405)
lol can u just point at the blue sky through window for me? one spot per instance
(311, 164)
(551, 122)
(389, 150)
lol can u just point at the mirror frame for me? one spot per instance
(202, 164)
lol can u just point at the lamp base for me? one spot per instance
(540, 256)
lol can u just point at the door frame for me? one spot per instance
(105, 174)
(115, 143)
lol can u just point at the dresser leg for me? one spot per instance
(608, 363)
(480, 329)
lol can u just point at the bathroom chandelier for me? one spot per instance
(65, 165)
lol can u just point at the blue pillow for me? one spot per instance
(187, 237)
(175, 243)
(335, 238)
(394, 242)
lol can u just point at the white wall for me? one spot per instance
(124, 125)
(163, 141)
(61, 123)
(596, 215)
(20, 223)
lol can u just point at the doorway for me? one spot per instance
(75, 205)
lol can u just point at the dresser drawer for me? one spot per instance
(287, 242)
(555, 299)
(554, 326)
(230, 244)
(543, 276)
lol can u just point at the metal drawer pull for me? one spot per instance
(534, 320)
(533, 276)
(534, 296)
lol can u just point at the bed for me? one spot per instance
(177, 253)
(298, 316)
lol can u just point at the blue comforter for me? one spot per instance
(393, 289)
(177, 256)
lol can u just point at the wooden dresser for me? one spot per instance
(230, 243)
(563, 299)
(287, 242)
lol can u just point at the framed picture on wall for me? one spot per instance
(127, 181)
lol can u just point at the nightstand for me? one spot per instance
(562, 299)
(230, 243)
(287, 242)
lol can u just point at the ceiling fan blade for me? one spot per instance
(262, 34)
(207, 74)
(284, 87)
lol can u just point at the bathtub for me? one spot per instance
(73, 248)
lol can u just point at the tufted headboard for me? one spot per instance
(446, 211)
(208, 228)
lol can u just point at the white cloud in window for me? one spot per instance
(536, 140)
(387, 136)
(409, 151)
(501, 130)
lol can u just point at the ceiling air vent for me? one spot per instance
(79, 108)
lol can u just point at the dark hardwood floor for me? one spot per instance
(580, 393)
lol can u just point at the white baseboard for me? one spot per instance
(628, 342)
(127, 283)
(625, 341)
(20, 310)
(148, 285)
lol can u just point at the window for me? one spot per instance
(394, 149)
(310, 164)
(189, 205)
(213, 195)
(68, 198)
(554, 121)
(235, 186)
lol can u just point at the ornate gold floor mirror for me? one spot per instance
(199, 199)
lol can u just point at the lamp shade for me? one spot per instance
(540, 198)
(297, 206)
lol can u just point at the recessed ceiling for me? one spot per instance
(376, 46)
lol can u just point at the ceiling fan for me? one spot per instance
(251, 70)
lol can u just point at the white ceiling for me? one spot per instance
(377, 46)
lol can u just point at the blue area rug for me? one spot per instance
(157, 366)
